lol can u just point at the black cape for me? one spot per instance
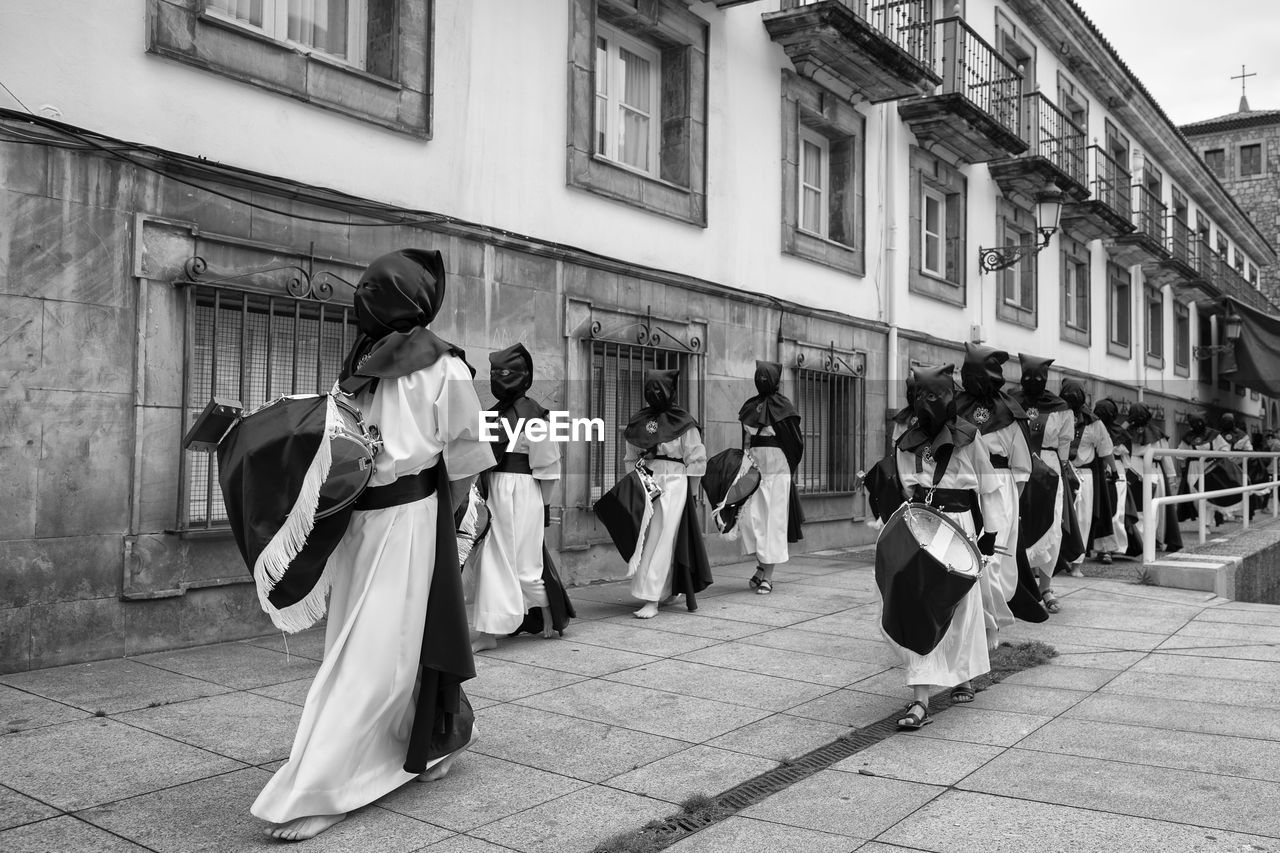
(621, 510)
(791, 443)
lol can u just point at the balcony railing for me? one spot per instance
(1148, 213)
(1111, 182)
(972, 68)
(1053, 135)
(907, 23)
(1205, 261)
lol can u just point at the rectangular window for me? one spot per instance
(253, 348)
(1075, 293)
(628, 74)
(933, 230)
(1251, 159)
(616, 392)
(1216, 160)
(1120, 298)
(1019, 280)
(333, 27)
(1181, 338)
(828, 404)
(815, 179)
(1155, 323)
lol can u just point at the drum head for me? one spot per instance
(943, 539)
(349, 473)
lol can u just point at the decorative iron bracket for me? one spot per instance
(303, 282)
(833, 362)
(648, 333)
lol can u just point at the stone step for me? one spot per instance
(1205, 572)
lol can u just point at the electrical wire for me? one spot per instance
(15, 97)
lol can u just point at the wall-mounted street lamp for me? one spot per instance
(1232, 326)
(1048, 210)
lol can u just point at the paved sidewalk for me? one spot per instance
(1158, 728)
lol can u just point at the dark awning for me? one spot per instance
(1257, 351)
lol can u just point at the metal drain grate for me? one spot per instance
(669, 831)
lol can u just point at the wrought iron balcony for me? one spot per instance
(1176, 268)
(880, 50)
(976, 111)
(1108, 210)
(1147, 242)
(1055, 157)
(723, 4)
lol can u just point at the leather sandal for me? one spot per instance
(962, 694)
(1051, 603)
(764, 587)
(913, 720)
(756, 579)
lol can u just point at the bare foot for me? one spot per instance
(484, 642)
(438, 771)
(305, 827)
(548, 630)
(649, 610)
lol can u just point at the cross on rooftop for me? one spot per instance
(1242, 76)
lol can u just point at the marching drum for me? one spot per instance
(925, 565)
(353, 445)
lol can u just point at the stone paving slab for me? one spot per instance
(647, 709)
(111, 686)
(695, 624)
(504, 680)
(75, 765)
(962, 822)
(628, 636)
(780, 736)
(240, 666)
(1208, 753)
(696, 770)
(847, 804)
(975, 725)
(1260, 722)
(64, 833)
(565, 655)
(738, 687)
(573, 823)
(783, 663)
(243, 726)
(851, 708)
(557, 743)
(1221, 649)
(918, 759)
(20, 710)
(17, 809)
(480, 790)
(1182, 796)
(746, 835)
(1079, 678)
(1196, 689)
(207, 816)
(832, 646)
(307, 644)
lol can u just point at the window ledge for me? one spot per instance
(1016, 314)
(1118, 349)
(1181, 369)
(645, 176)
(1075, 335)
(1155, 361)
(817, 249)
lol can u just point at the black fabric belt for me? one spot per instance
(947, 500)
(765, 441)
(514, 463)
(998, 461)
(665, 459)
(405, 490)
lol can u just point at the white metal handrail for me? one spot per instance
(1152, 505)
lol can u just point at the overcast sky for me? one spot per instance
(1185, 51)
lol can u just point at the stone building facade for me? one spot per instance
(1243, 150)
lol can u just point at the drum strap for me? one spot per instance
(665, 459)
(405, 490)
(765, 441)
(949, 500)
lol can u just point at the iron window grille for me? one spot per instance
(615, 387)
(253, 346)
(829, 398)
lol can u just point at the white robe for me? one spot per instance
(963, 652)
(1059, 429)
(1118, 541)
(353, 737)
(1095, 441)
(1000, 581)
(764, 518)
(509, 580)
(651, 564)
(1161, 469)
